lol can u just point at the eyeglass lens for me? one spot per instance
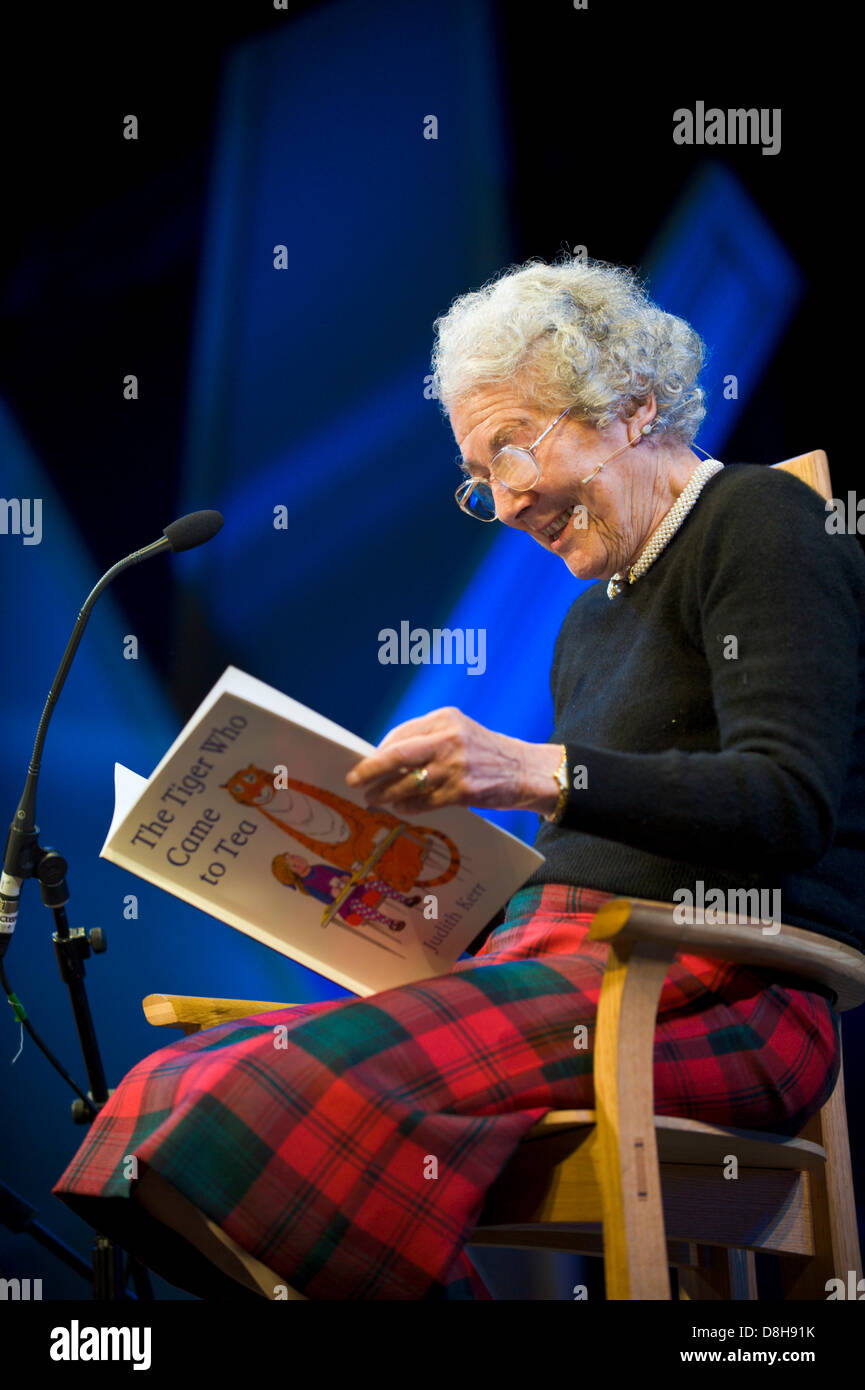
(515, 468)
(480, 502)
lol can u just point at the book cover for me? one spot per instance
(248, 817)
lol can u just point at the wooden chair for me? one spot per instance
(644, 1191)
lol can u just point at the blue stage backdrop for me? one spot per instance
(306, 390)
(383, 174)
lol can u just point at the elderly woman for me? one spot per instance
(708, 730)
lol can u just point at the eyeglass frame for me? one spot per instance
(468, 484)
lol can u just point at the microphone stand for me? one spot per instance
(72, 946)
(25, 858)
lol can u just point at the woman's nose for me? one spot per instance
(509, 504)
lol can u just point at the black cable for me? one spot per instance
(21, 1014)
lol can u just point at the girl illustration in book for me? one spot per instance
(345, 833)
(325, 883)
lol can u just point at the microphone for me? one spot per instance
(192, 530)
(22, 849)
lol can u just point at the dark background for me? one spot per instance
(103, 236)
(104, 242)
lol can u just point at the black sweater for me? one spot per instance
(742, 771)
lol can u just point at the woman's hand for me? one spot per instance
(467, 765)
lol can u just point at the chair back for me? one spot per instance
(812, 468)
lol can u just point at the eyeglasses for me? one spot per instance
(520, 471)
(513, 467)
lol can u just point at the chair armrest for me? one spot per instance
(791, 950)
(192, 1014)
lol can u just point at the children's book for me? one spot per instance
(248, 817)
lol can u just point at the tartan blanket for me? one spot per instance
(350, 1144)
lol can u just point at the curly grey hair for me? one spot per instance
(573, 332)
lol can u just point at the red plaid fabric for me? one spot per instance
(354, 1159)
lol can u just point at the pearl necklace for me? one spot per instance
(668, 527)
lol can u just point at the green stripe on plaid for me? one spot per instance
(216, 1159)
(356, 1034)
(533, 978)
(739, 1038)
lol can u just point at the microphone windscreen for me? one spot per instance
(192, 530)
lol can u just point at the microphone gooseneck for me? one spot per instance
(21, 844)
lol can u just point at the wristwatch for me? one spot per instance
(561, 780)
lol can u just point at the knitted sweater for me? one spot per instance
(714, 714)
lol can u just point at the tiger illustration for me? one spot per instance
(342, 832)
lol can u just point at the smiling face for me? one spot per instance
(617, 510)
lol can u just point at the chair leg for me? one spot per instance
(836, 1237)
(626, 1155)
(840, 1197)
